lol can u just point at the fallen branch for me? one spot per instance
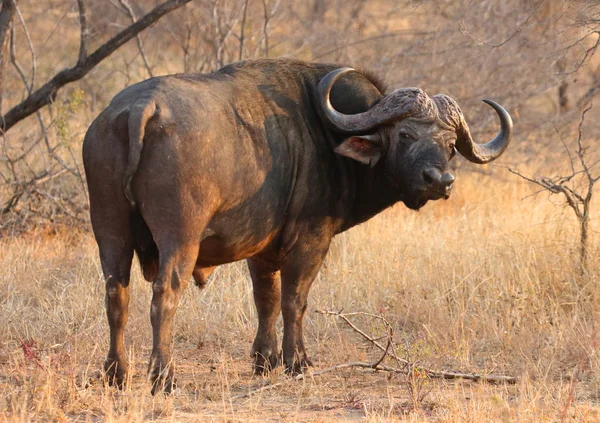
(373, 366)
(344, 317)
(491, 379)
(433, 374)
(389, 351)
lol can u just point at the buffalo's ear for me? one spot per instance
(366, 149)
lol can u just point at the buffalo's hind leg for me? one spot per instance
(267, 298)
(116, 253)
(176, 263)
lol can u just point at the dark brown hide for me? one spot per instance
(193, 171)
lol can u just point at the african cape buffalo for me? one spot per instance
(262, 160)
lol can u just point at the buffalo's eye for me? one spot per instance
(452, 146)
(405, 135)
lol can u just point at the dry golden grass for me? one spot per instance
(485, 282)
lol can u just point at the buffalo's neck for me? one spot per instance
(372, 195)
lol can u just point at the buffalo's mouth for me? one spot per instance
(415, 202)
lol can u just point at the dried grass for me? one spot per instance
(485, 282)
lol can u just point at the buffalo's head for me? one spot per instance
(414, 137)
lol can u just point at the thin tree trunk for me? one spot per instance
(6, 16)
(585, 223)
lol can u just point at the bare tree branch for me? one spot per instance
(6, 16)
(84, 32)
(589, 52)
(31, 83)
(240, 55)
(267, 17)
(400, 33)
(465, 31)
(221, 35)
(129, 10)
(578, 201)
(29, 87)
(47, 92)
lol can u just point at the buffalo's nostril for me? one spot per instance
(431, 176)
(438, 182)
(447, 180)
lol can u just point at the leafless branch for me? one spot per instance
(345, 318)
(21, 189)
(578, 200)
(221, 34)
(31, 50)
(47, 92)
(266, 17)
(6, 16)
(29, 87)
(589, 52)
(400, 33)
(17, 66)
(390, 341)
(83, 31)
(129, 10)
(243, 25)
(465, 31)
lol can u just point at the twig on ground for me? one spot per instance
(389, 351)
(493, 379)
(371, 366)
(344, 316)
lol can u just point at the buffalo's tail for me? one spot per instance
(139, 115)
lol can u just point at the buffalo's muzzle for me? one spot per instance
(438, 184)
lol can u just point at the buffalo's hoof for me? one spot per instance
(299, 366)
(167, 386)
(263, 365)
(162, 381)
(115, 373)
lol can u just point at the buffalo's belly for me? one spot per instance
(216, 249)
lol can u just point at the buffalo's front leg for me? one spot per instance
(267, 298)
(175, 270)
(297, 274)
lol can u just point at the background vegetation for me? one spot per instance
(489, 281)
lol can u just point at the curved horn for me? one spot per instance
(485, 153)
(397, 105)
